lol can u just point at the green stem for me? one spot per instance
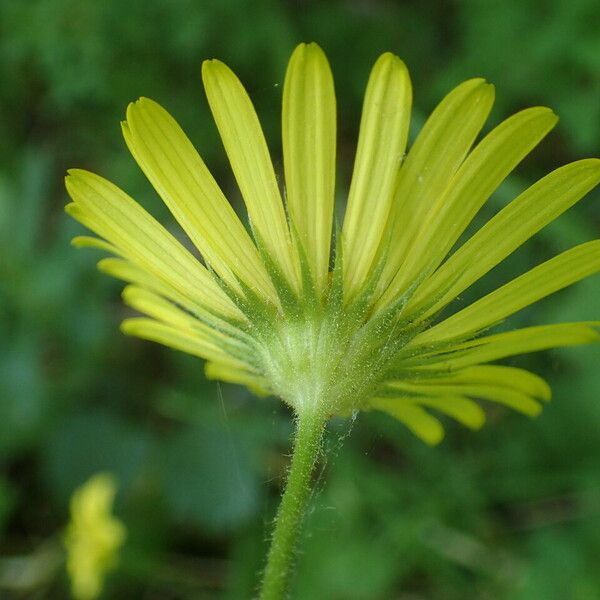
(309, 432)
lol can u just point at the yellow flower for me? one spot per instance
(354, 324)
(93, 536)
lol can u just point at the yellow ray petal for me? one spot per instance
(231, 373)
(179, 175)
(190, 343)
(161, 309)
(465, 411)
(419, 421)
(309, 140)
(553, 275)
(500, 376)
(512, 226)
(461, 409)
(509, 397)
(86, 241)
(502, 345)
(478, 177)
(248, 154)
(112, 214)
(438, 151)
(127, 271)
(381, 144)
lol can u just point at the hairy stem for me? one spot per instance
(307, 443)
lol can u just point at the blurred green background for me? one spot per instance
(512, 512)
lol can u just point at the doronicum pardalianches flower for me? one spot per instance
(93, 536)
(361, 322)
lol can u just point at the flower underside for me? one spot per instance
(358, 320)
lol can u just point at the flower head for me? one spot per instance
(358, 320)
(93, 536)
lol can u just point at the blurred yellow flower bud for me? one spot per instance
(93, 536)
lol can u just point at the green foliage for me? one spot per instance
(510, 512)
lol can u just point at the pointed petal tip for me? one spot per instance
(313, 49)
(211, 69)
(79, 241)
(476, 426)
(108, 264)
(313, 46)
(133, 107)
(476, 421)
(211, 65)
(534, 413)
(128, 112)
(74, 173)
(476, 88)
(473, 82)
(143, 102)
(301, 47)
(490, 88)
(593, 164)
(541, 111)
(105, 263)
(392, 60)
(70, 182)
(435, 438)
(307, 51)
(481, 86)
(128, 326)
(307, 46)
(128, 293)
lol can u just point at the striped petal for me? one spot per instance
(309, 141)
(512, 398)
(127, 271)
(231, 373)
(248, 154)
(499, 376)
(541, 281)
(112, 214)
(172, 337)
(461, 409)
(419, 421)
(497, 346)
(161, 309)
(437, 153)
(183, 181)
(381, 143)
(510, 228)
(478, 177)
(85, 241)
